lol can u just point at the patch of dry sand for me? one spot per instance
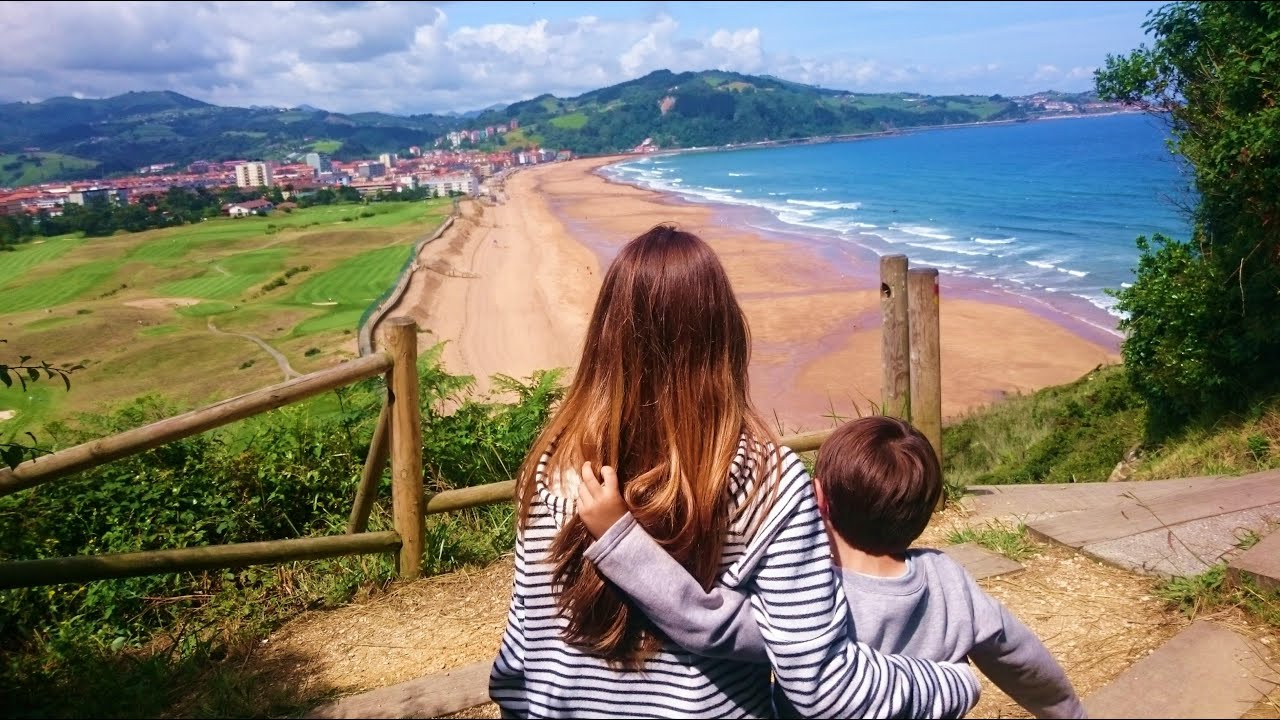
(162, 303)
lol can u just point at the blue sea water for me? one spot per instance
(1045, 208)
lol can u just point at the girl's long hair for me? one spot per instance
(661, 394)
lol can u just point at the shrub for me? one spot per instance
(289, 473)
(1176, 341)
(1208, 307)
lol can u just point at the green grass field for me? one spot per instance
(572, 121)
(328, 147)
(358, 281)
(134, 308)
(36, 167)
(69, 284)
(32, 254)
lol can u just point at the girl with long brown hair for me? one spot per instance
(661, 395)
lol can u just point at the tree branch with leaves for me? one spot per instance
(1201, 327)
(23, 372)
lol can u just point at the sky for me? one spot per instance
(415, 57)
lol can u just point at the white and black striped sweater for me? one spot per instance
(785, 566)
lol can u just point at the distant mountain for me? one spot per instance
(123, 133)
(716, 108)
(474, 113)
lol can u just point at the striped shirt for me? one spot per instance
(783, 563)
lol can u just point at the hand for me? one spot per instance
(600, 505)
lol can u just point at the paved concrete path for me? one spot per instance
(281, 361)
(1158, 527)
(1205, 671)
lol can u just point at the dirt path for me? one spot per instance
(281, 360)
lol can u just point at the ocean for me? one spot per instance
(1045, 210)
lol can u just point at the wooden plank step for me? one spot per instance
(980, 562)
(1080, 529)
(1205, 671)
(1260, 562)
(426, 697)
(998, 500)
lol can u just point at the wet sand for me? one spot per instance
(511, 289)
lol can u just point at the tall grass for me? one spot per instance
(1080, 431)
(1070, 433)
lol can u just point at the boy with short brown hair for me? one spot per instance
(877, 482)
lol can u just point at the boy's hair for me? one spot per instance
(881, 481)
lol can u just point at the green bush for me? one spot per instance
(1173, 353)
(286, 474)
(1206, 337)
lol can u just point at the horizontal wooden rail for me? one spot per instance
(103, 450)
(469, 497)
(82, 568)
(807, 442)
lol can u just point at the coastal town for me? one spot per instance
(455, 163)
(438, 172)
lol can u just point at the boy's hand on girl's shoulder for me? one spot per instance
(599, 504)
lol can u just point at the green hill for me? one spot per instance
(37, 167)
(122, 133)
(716, 108)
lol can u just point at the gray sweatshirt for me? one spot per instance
(936, 611)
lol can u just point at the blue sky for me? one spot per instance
(440, 57)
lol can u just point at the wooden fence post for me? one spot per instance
(374, 464)
(895, 388)
(926, 361)
(406, 444)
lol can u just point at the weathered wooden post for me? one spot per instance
(895, 388)
(926, 360)
(406, 444)
(374, 464)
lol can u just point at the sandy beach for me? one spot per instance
(511, 286)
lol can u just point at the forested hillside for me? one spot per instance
(64, 137)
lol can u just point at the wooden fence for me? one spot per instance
(911, 390)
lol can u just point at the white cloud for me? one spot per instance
(399, 56)
(1081, 73)
(1046, 73)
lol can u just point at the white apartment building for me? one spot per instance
(443, 186)
(254, 174)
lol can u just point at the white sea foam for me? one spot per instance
(927, 262)
(1101, 302)
(716, 189)
(1075, 273)
(948, 249)
(992, 241)
(923, 231)
(733, 174)
(827, 204)
(1041, 265)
